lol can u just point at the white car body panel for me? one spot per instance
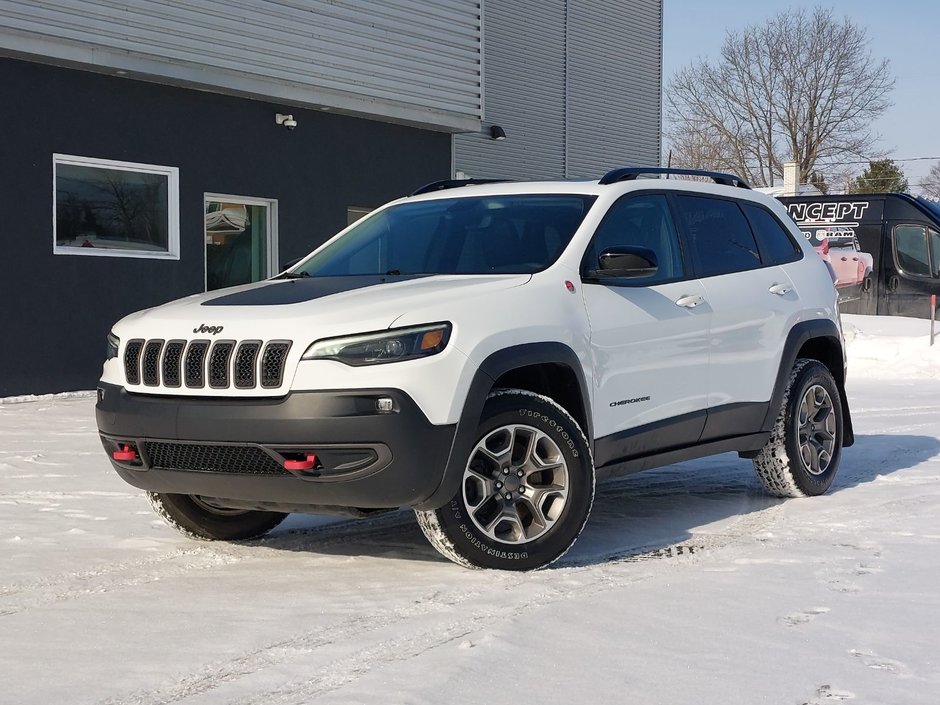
(649, 355)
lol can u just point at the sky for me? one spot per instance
(904, 33)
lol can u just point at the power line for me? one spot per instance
(869, 161)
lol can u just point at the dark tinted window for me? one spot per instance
(469, 235)
(641, 221)
(719, 236)
(776, 246)
(912, 249)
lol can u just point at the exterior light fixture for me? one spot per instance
(287, 121)
(497, 133)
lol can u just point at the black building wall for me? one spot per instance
(56, 310)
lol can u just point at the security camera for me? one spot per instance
(287, 121)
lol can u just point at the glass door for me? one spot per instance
(241, 240)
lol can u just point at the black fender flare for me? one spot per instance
(490, 370)
(799, 335)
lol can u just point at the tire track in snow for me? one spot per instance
(108, 577)
(583, 578)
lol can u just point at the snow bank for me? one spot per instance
(893, 347)
(45, 397)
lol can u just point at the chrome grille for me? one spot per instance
(222, 364)
(272, 364)
(218, 363)
(150, 362)
(172, 357)
(132, 361)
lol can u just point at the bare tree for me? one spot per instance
(931, 183)
(802, 87)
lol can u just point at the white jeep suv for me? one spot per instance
(481, 352)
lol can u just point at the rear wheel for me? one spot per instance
(201, 518)
(526, 491)
(802, 456)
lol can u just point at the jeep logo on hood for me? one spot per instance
(203, 328)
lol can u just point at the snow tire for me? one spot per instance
(460, 536)
(193, 517)
(782, 465)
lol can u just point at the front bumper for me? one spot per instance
(236, 448)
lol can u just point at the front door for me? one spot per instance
(649, 337)
(911, 269)
(241, 246)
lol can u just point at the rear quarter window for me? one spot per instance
(775, 242)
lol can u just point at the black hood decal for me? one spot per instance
(295, 291)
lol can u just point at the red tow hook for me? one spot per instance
(307, 464)
(126, 454)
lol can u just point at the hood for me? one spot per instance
(308, 308)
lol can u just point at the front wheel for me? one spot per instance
(201, 518)
(526, 490)
(802, 455)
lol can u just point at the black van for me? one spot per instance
(900, 233)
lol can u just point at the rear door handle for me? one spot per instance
(780, 289)
(690, 301)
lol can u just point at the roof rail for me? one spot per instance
(454, 183)
(629, 173)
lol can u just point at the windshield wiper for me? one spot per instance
(393, 273)
(292, 275)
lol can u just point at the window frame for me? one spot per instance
(639, 282)
(798, 253)
(684, 234)
(272, 253)
(931, 256)
(173, 208)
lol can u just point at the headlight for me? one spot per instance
(113, 344)
(392, 345)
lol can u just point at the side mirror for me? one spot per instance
(626, 263)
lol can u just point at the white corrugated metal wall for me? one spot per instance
(415, 61)
(524, 92)
(614, 85)
(576, 84)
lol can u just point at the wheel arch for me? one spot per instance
(816, 340)
(549, 368)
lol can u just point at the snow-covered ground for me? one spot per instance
(688, 585)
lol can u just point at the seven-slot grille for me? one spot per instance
(220, 365)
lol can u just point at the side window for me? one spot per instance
(911, 250)
(776, 245)
(719, 236)
(935, 251)
(641, 221)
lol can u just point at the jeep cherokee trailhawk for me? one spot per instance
(481, 352)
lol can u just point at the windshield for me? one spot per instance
(472, 235)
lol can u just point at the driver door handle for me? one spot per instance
(780, 289)
(690, 301)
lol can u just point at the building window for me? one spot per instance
(241, 240)
(114, 209)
